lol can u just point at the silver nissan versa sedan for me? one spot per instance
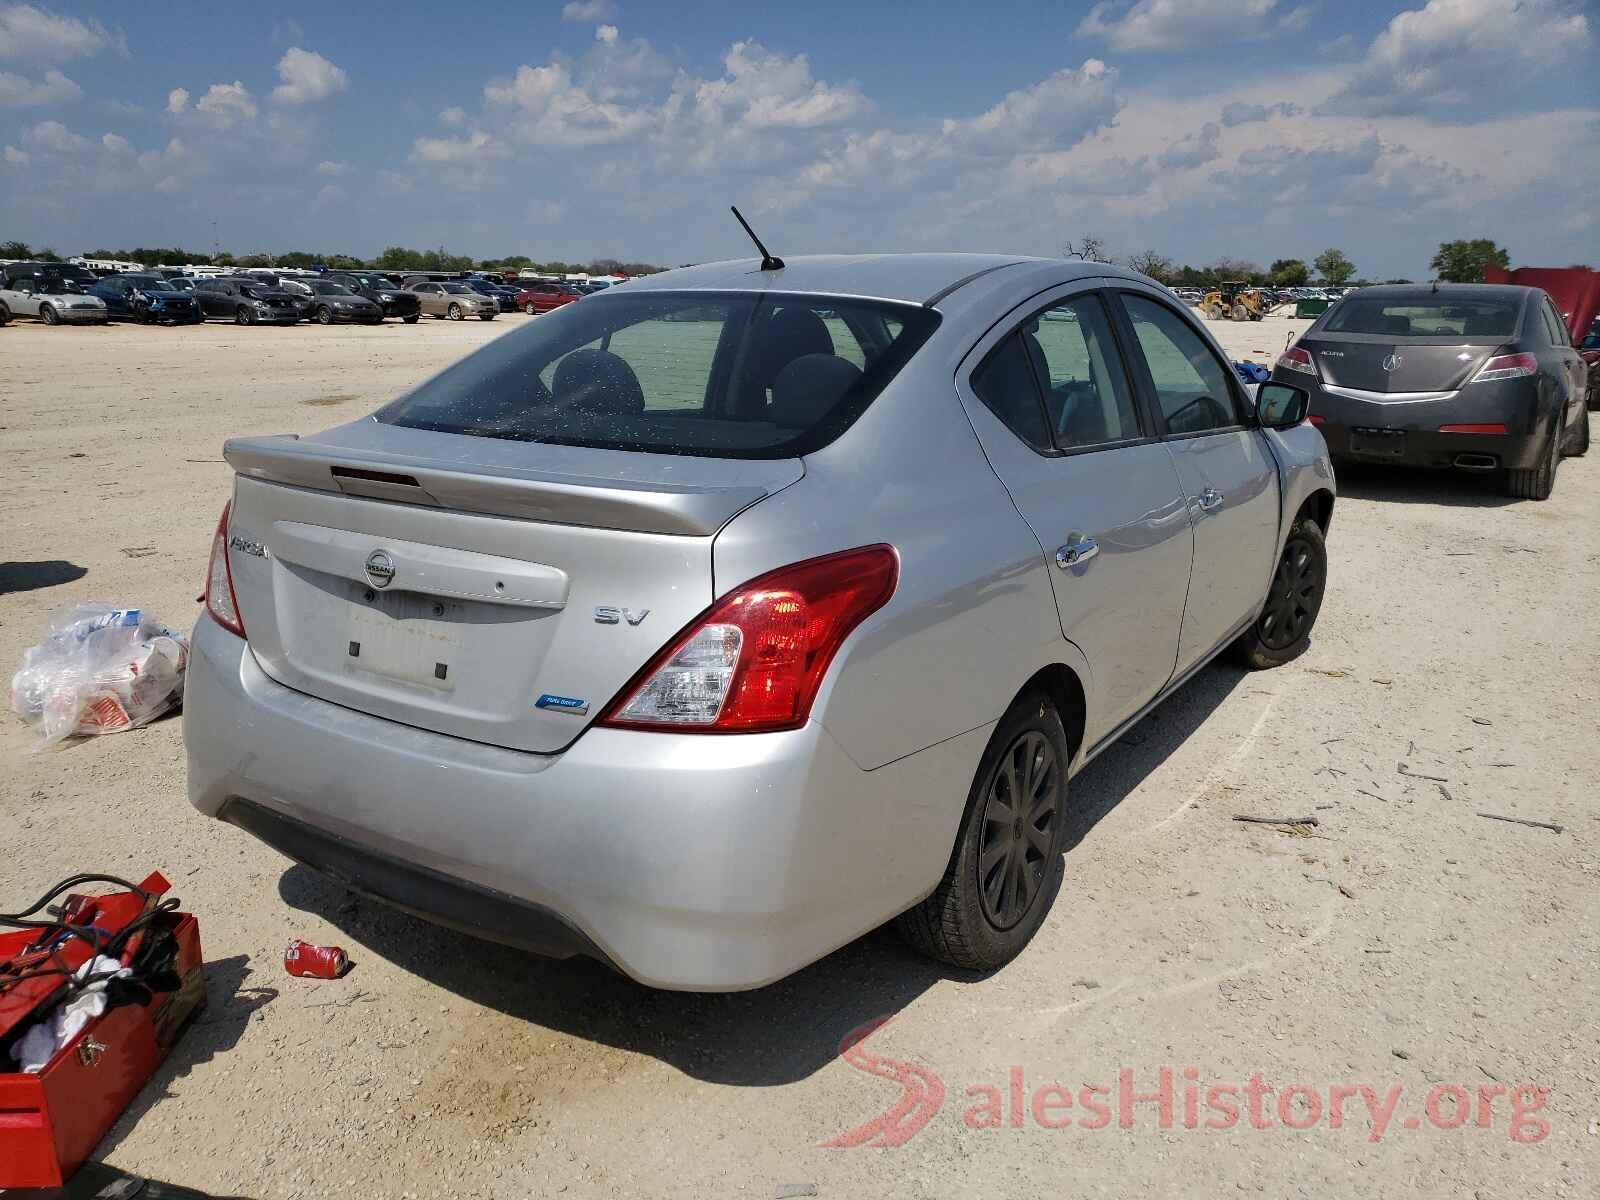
(707, 624)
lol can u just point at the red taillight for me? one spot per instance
(1507, 366)
(1316, 420)
(221, 602)
(1296, 359)
(1484, 428)
(753, 662)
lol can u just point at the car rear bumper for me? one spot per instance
(1411, 429)
(691, 862)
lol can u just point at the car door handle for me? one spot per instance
(1076, 552)
(1210, 498)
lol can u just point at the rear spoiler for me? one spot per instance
(686, 510)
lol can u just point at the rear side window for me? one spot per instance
(1006, 385)
(1426, 315)
(1556, 327)
(733, 375)
(1191, 384)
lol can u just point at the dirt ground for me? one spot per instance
(1407, 942)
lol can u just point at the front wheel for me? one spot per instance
(241, 315)
(530, 309)
(48, 315)
(412, 320)
(1536, 483)
(1283, 630)
(1007, 867)
(324, 315)
(5, 315)
(454, 312)
(1240, 313)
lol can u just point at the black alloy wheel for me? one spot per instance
(1295, 595)
(1021, 812)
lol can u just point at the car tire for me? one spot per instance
(1580, 442)
(454, 313)
(324, 315)
(47, 314)
(977, 918)
(412, 320)
(1282, 631)
(241, 316)
(5, 315)
(530, 309)
(1536, 483)
(1240, 313)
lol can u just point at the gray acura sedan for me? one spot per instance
(1472, 376)
(712, 622)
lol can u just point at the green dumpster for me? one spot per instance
(1309, 309)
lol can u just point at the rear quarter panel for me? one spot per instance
(973, 615)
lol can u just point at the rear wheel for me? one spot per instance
(530, 309)
(1294, 597)
(5, 315)
(412, 320)
(48, 315)
(1536, 483)
(454, 312)
(1007, 867)
(1240, 313)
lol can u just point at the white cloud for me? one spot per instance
(226, 103)
(1241, 113)
(1194, 150)
(1163, 26)
(116, 143)
(177, 100)
(547, 107)
(331, 168)
(17, 157)
(477, 146)
(17, 91)
(1452, 52)
(454, 115)
(307, 77)
(54, 138)
(31, 34)
(764, 89)
(588, 10)
(606, 34)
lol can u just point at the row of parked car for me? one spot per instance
(65, 293)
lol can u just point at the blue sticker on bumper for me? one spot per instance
(564, 704)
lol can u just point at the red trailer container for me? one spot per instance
(1576, 291)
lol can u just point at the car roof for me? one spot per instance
(910, 278)
(1459, 291)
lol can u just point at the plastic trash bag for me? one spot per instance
(1251, 372)
(99, 670)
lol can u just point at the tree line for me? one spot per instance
(1460, 261)
(393, 258)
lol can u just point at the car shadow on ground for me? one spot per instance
(778, 1034)
(31, 576)
(1413, 485)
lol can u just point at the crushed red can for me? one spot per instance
(314, 962)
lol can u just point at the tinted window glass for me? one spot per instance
(1426, 315)
(1191, 383)
(1087, 398)
(1006, 384)
(732, 376)
(1558, 328)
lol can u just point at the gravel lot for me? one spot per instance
(1407, 942)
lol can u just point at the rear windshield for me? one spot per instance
(1426, 316)
(719, 375)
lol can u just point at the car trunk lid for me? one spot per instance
(491, 590)
(1375, 363)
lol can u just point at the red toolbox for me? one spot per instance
(51, 1122)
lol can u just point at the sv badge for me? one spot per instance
(605, 614)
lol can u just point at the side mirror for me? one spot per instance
(1281, 406)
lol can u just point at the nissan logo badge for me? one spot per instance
(380, 569)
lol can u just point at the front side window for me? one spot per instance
(1191, 384)
(733, 375)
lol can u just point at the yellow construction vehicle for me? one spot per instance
(1233, 300)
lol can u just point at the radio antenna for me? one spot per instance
(769, 261)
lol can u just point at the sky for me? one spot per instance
(1259, 129)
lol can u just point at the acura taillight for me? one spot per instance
(1296, 359)
(753, 662)
(221, 602)
(1507, 366)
